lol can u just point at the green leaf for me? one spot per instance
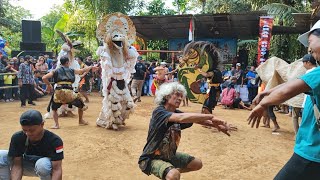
(62, 23)
(281, 12)
(250, 41)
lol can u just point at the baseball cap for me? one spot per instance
(139, 58)
(31, 117)
(238, 64)
(308, 57)
(163, 63)
(304, 37)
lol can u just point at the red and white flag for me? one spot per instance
(190, 31)
(59, 149)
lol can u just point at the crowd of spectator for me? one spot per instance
(21, 77)
(24, 76)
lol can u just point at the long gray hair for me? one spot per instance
(167, 89)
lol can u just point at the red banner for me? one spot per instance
(266, 24)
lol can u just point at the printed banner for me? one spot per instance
(266, 24)
(228, 46)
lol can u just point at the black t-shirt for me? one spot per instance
(140, 71)
(50, 146)
(217, 76)
(89, 63)
(239, 75)
(163, 138)
(64, 74)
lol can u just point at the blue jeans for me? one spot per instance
(146, 87)
(42, 168)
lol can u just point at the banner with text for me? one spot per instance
(266, 24)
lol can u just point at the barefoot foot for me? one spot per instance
(275, 129)
(83, 123)
(70, 114)
(55, 127)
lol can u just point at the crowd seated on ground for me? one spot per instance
(230, 99)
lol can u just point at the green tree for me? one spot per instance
(157, 8)
(182, 5)
(227, 6)
(48, 23)
(102, 7)
(10, 23)
(11, 16)
(286, 46)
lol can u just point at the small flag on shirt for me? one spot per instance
(190, 31)
(59, 149)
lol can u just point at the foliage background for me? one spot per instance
(79, 19)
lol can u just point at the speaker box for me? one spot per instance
(32, 46)
(31, 31)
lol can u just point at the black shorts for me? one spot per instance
(86, 85)
(77, 102)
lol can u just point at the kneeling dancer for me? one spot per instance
(160, 156)
(63, 92)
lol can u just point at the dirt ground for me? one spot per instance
(94, 153)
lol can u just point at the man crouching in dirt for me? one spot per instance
(160, 156)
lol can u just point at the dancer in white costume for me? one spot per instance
(118, 59)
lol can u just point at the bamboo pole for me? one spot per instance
(159, 51)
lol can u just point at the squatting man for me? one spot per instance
(160, 156)
(64, 94)
(33, 151)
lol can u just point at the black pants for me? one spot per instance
(8, 93)
(1, 90)
(271, 113)
(15, 90)
(211, 102)
(298, 168)
(253, 91)
(26, 92)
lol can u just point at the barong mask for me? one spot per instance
(118, 59)
(197, 56)
(116, 31)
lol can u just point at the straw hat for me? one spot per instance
(304, 37)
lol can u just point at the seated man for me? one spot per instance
(64, 94)
(229, 99)
(33, 151)
(160, 156)
(38, 90)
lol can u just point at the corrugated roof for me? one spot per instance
(237, 25)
